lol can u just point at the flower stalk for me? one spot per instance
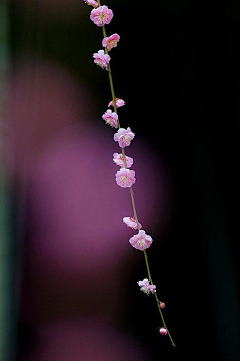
(125, 177)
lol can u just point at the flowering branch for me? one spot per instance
(125, 177)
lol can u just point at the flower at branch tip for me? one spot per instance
(163, 331)
(146, 287)
(125, 178)
(101, 59)
(111, 118)
(131, 222)
(161, 304)
(119, 103)
(91, 3)
(118, 159)
(111, 41)
(141, 240)
(101, 16)
(124, 137)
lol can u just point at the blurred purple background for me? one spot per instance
(78, 258)
(74, 272)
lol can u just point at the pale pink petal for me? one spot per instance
(91, 3)
(118, 159)
(119, 103)
(101, 59)
(131, 222)
(111, 41)
(146, 287)
(101, 16)
(111, 118)
(124, 137)
(125, 178)
(152, 288)
(141, 241)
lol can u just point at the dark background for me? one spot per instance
(177, 66)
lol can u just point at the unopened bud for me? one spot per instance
(162, 304)
(163, 331)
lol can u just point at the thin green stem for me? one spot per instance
(156, 297)
(131, 190)
(134, 207)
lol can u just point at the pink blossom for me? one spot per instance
(111, 41)
(101, 16)
(163, 331)
(161, 304)
(125, 177)
(124, 137)
(118, 159)
(146, 287)
(101, 59)
(111, 118)
(131, 222)
(141, 240)
(91, 3)
(119, 103)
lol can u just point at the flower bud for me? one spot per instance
(161, 304)
(163, 331)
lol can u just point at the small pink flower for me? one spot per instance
(91, 3)
(124, 137)
(131, 222)
(118, 159)
(163, 331)
(125, 177)
(119, 103)
(146, 287)
(101, 16)
(141, 240)
(101, 59)
(161, 304)
(111, 118)
(111, 41)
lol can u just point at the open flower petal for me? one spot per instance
(146, 287)
(101, 59)
(111, 41)
(119, 102)
(124, 137)
(101, 16)
(132, 223)
(141, 240)
(111, 118)
(125, 178)
(118, 159)
(91, 3)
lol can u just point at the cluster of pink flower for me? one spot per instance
(125, 177)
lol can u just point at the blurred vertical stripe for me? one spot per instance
(6, 245)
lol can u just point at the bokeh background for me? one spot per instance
(68, 275)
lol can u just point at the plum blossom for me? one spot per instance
(124, 137)
(131, 222)
(118, 159)
(91, 3)
(101, 59)
(101, 16)
(163, 331)
(111, 41)
(141, 240)
(111, 118)
(125, 178)
(119, 103)
(161, 304)
(146, 287)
